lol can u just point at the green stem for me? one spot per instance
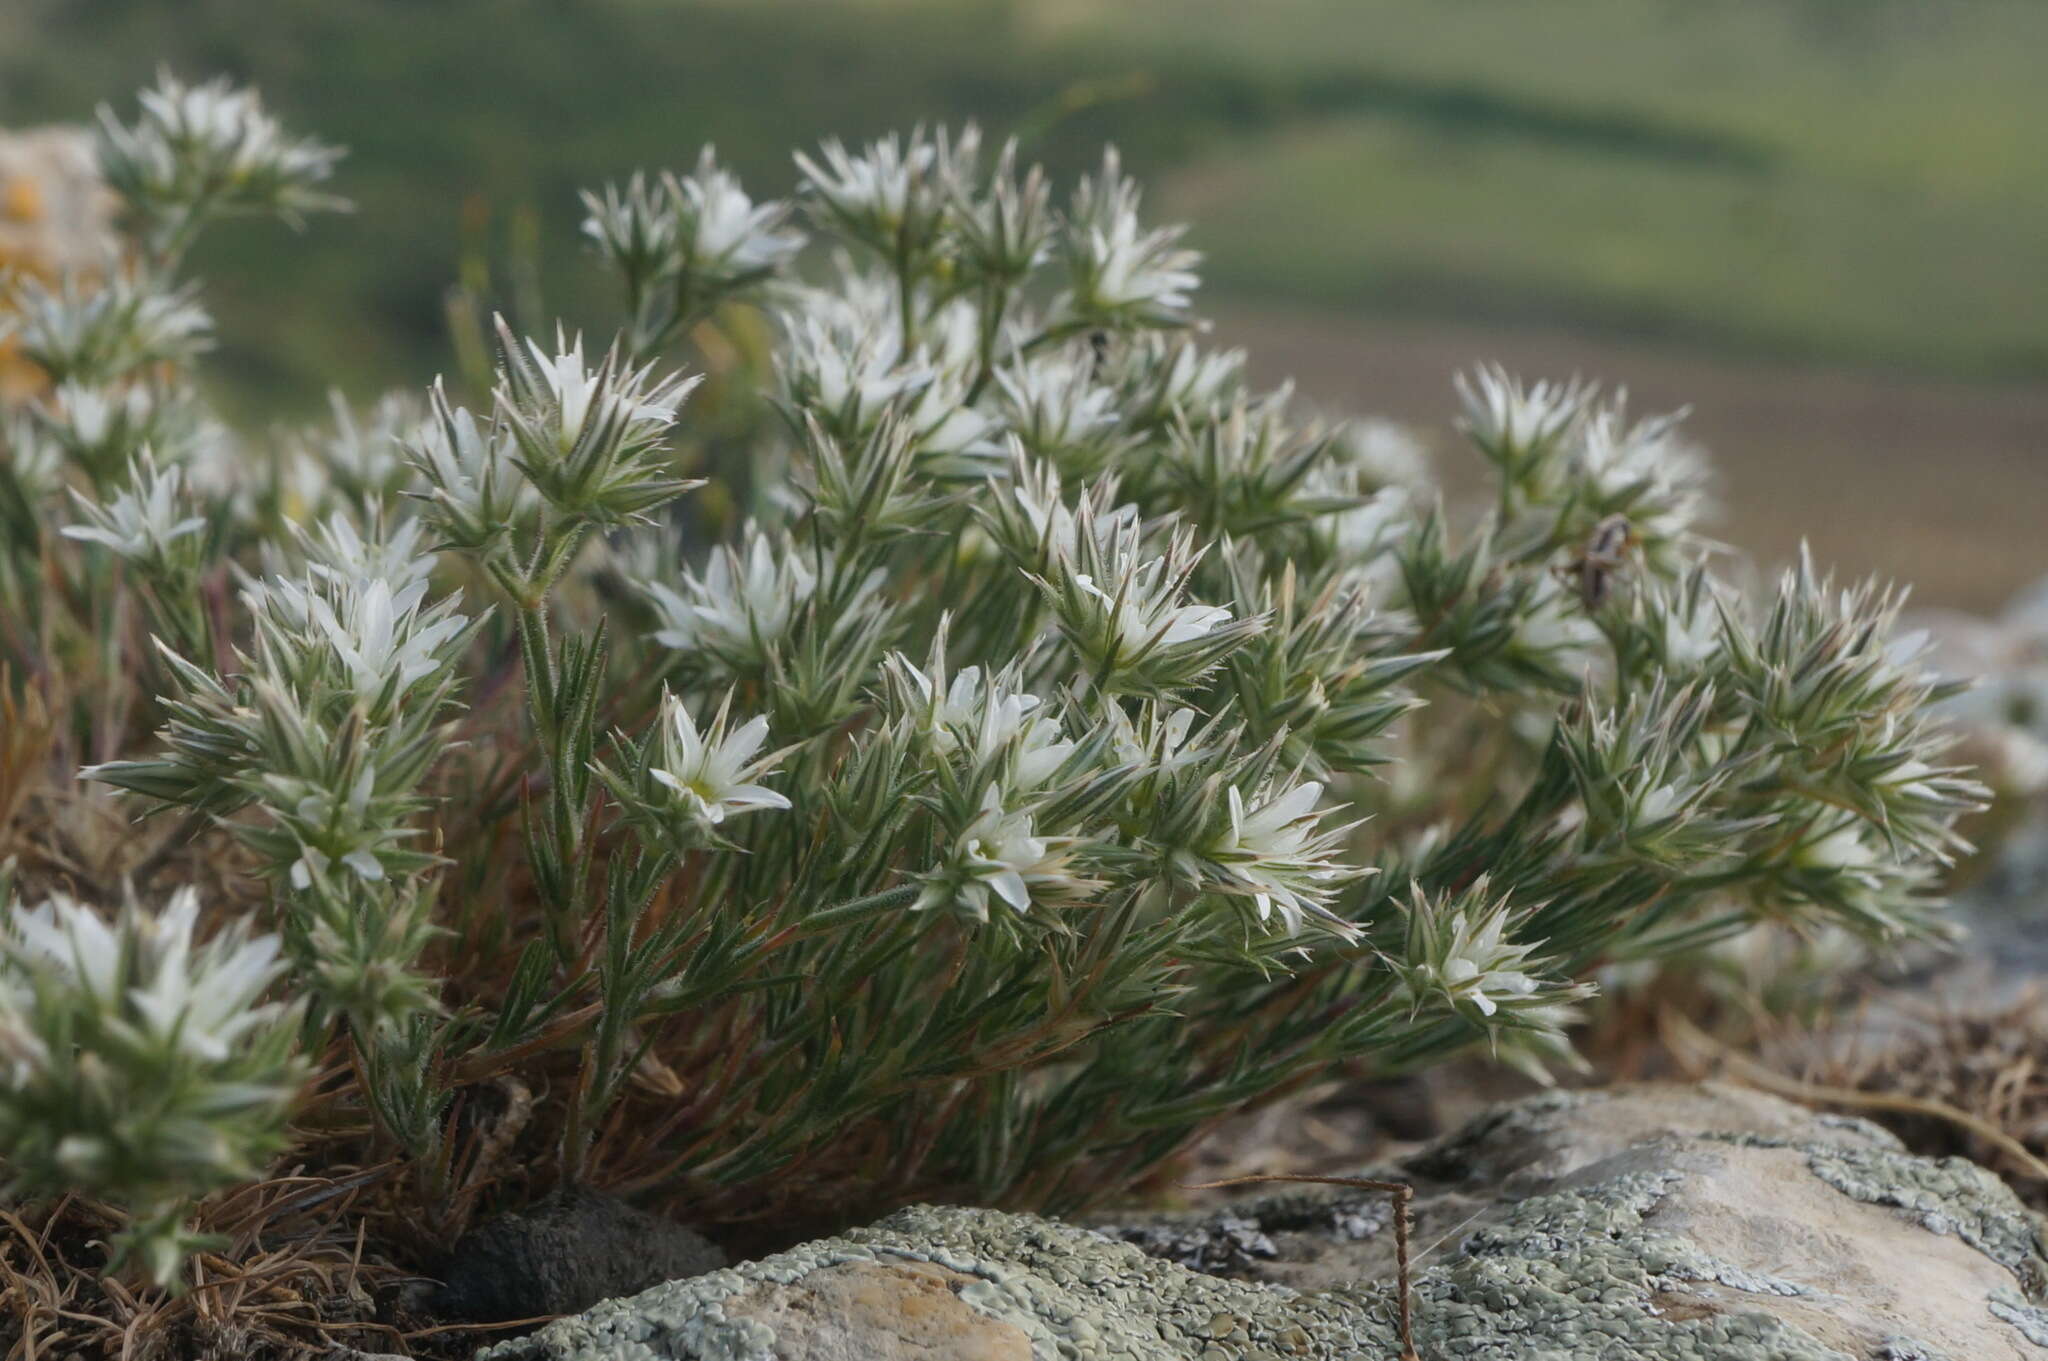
(858, 909)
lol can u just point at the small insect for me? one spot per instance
(1594, 569)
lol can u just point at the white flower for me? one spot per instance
(1275, 851)
(1384, 454)
(143, 521)
(1034, 523)
(1142, 613)
(1658, 804)
(199, 1000)
(1125, 610)
(983, 717)
(636, 226)
(1059, 411)
(363, 458)
(700, 229)
(1554, 627)
(591, 439)
(85, 416)
(1158, 742)
(1000, 853)
(879, 184)
(377, 631)
(893, 195)
(337, 552)
(72, 940)
(1160, 377)
(381, 635)
(1129, 268)
(847, 362)
(203, 999)
(584, 395)
(711, 772)
(341, 819)
(35, 464)
(726, 234)
(1365, 531)
(741, 605)
(477, 492)
(1120, 271)
(1843, 849)
(1513, 424)
(1005, 234)
(1459, 951)
(100, 332)
(1644, 470)
(195, 144)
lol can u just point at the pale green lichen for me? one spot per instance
(1566, 1275)
(1579, 1271)
(2031, 1320)
(1071, 1292)
(1943, 1195)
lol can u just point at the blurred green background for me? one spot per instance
(1824, 222)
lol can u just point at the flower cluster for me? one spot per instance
(328, 725)
(1235, 751)
(198, 151)
(139, 1063)
(683, 244)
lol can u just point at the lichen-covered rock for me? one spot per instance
(1696, 1224)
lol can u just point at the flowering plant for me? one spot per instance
(1043, 745)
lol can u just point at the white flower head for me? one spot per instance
(1060, 412)
(582, 396)
(712, 773)
(143, 522)
(591, 438)
(475, 490)
(1005, 233)
(1000, 855)
(724, 234)
(373, 635)
(701, 232)
(1275, 850)
(1383, 454)
(1645, 470)
(147, 974)
(1517, 426)
(1125, 607)
(382, 635)
(102, 427)
(99, 332)
(847, 363)
(983, 718)
(894, 195)
(1459, 953)
(1142, 613)
(1164, 379)
(213, 146)
(360, 458)
(741, 604)
(1843, 849)
(1123, 275)
(34, 464)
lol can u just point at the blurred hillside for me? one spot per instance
(1854, 181)
(1760, 187)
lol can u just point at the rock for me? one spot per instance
(1688, 1223)
(948, 1284)
(565, 1254)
